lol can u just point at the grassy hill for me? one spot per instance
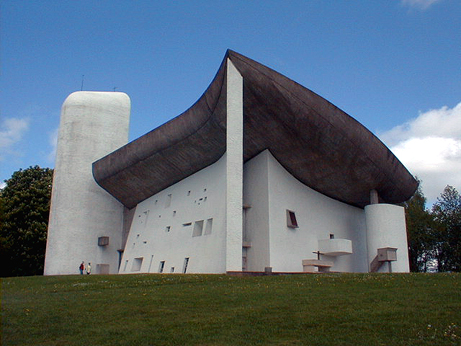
(155, 309)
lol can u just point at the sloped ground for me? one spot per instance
(155, 309)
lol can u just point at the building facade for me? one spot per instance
(259, 175)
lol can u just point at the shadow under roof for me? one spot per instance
(315, 141)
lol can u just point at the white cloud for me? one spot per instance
(443, 122)
(11, 132)
(419, 4)
(430, 147)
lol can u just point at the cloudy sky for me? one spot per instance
(392, 65)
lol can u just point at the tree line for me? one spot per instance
(24, 213)
(434, 236)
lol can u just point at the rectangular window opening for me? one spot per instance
(161, 266)
(137, 263)
(198, 228)
(145, 216)
(186, 262)
(168, 201)
(208, 226)
(172, 270)
(291, 219)
(103, 241)
(150, 264)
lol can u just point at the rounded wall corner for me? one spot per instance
(77, 98)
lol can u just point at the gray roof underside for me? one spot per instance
(315, 141)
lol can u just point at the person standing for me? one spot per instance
(82, 267)
(88, 268)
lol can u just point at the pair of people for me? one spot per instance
(87, 269)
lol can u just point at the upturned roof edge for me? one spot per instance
(314, 140)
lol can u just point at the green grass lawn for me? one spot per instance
(155, 309)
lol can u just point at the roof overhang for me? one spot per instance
(315, 141)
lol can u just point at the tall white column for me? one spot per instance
(234, 170)
(93, 124)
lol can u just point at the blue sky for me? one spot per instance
(395, 66)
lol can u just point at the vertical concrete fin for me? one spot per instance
(234, 169)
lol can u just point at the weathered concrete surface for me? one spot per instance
(234, 169)
(315, 141)
(92, 125)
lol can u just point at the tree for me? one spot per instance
(447, 214)
(420, 232)
(24, 212)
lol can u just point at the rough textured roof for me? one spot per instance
(315, 141)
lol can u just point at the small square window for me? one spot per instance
(137, 263)
(103, 241)
(291, 219)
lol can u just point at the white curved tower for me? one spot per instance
(386, 230)
(93, 124)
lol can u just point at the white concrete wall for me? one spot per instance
(317, 216)
(199, 197)
(234, 168)
(269, 190)
(92, 125)
(386, 228)
(256, 196)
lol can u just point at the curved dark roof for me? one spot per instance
(315, 141)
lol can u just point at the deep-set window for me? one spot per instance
(291, 219)
(161, 266)
(198, 228)
(137, 263)
(186, 262)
